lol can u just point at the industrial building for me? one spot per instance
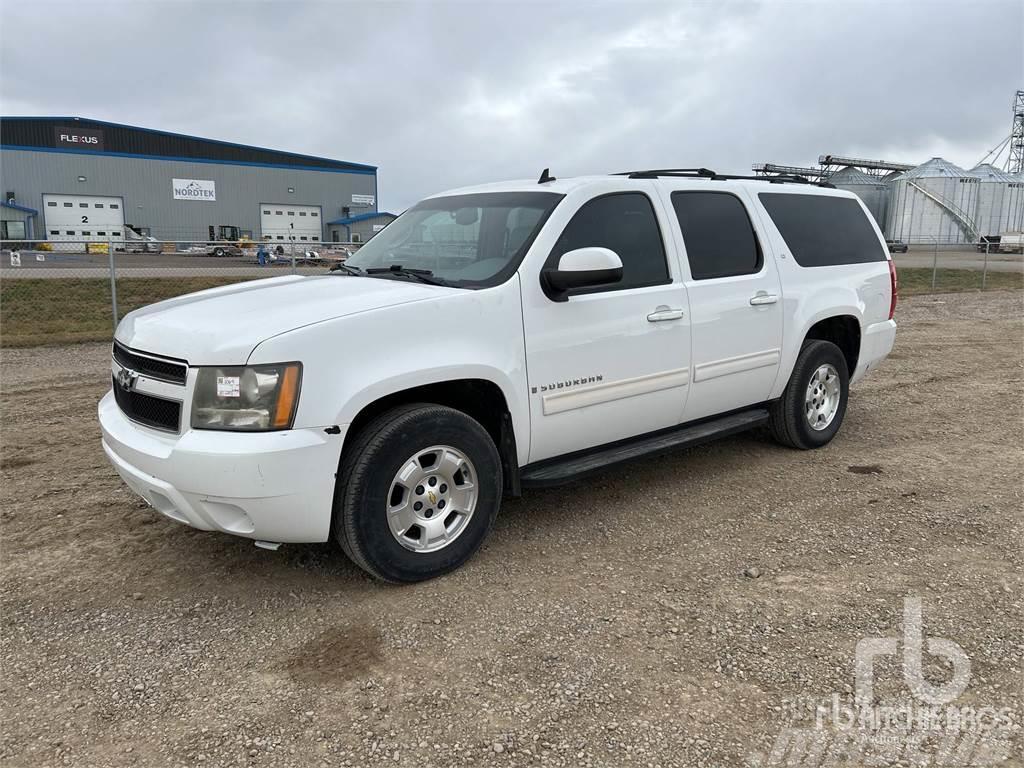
(75, 179)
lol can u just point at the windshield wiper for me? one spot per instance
(346, 269)
(423, 275)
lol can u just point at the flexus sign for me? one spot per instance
(78, 138)
(194, 189)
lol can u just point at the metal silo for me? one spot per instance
(934, 202)
(1000, 201)
(871, 190)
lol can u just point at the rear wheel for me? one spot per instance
(417, 493)
(218, 252)
(812, 407)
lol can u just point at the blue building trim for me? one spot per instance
(355, 167)
(368, 171)
(359, 217)
(22, 208)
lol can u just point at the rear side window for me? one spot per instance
(625, 223)
(719, 238)
(823, 231)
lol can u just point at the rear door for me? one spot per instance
(735, 299)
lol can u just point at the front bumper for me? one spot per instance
(276, 486)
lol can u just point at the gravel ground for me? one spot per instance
(666, 614)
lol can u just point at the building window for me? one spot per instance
(314, 213)
(277, 213)
(302, 213)
(86, 233)
(54, 231)
(99, 205)
(280, 237)
(266, 213)
(81, 178)
(356, 238)
(291, 190)
(303, 237)
(101, 234)
(291, 213)
(116, 234)
(68, 205)
(52, 204)
(83, 205)
(316, 237)
(114, 206)
(69, 232)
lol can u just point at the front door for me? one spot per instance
(735, 301)
(610, 362)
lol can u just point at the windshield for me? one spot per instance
(469, 241)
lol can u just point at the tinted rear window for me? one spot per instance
(823, 231)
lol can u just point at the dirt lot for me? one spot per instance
(668, 613)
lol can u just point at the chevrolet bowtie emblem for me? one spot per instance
(126, 379)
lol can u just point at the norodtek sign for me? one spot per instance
(194, 189)
(80, 138)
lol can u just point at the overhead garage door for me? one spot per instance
(83, 217)
(278, 222)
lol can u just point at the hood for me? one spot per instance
(221, 326)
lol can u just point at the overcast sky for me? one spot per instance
(440, 95)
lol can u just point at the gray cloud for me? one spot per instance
(446, 94)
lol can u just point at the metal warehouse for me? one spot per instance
(74, 179)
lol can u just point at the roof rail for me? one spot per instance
(653, 174)
(705, 173)
(781, 179)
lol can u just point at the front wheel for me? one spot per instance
(417, 493)
(812, 407)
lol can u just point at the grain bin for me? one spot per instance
(870, 189)
(1000, 201)
(934, 202)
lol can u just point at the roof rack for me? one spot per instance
(653, 174)
(705, 173)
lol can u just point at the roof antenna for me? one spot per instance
(545, 177)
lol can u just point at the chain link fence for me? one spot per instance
(66, 291)
(76, 290)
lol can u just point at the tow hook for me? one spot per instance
(271, 545)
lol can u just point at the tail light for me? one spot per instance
(895, 283)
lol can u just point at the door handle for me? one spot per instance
(761, 298)
(662, 313)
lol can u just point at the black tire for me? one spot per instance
(788, 420)
(218, 251)
(369, 465)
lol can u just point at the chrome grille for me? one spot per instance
(166, 369)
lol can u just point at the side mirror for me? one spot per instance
(581, 268)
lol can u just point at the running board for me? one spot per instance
(566, 469)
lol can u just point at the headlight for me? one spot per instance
(258, 398)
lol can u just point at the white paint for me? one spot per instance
(574, 374)
(280, 222)
(606, 392)
(90, 218)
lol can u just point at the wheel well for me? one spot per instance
(478, 398)
(844, 332)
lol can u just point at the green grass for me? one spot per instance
(918, 280)
(69, 310)
(63, 311)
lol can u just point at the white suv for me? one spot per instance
(496, 338)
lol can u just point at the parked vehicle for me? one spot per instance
(494, 339)
(988, 244)
(224, 249)
(1011, 242)
(896, 246)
